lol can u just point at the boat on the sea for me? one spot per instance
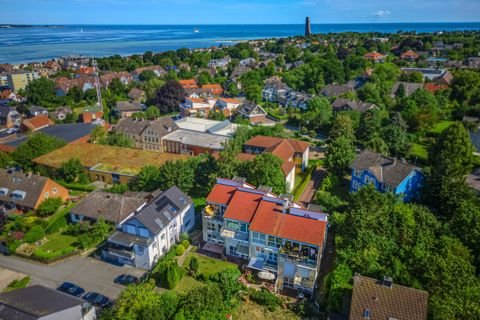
(81, 30)
(196, 30)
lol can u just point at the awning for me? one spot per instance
(265, 275)
(256, 263)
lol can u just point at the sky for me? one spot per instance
(197, 12)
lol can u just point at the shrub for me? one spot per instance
(186, 243)
(193, 265)
(49, 207)
(265, 298)
(56, 225)
(179, 250)
(18, 284)
(35, 234)
(76, 186)
(46, 256)
(184, 236)
(168, 274)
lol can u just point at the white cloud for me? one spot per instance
(381, 13)
(309, 3)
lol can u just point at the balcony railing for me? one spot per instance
(232, 234)
(211, 212)
(122, 253)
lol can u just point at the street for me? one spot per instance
(91, 274)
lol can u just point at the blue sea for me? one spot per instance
(39, 44)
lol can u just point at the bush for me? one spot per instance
(186, 244)
(179, 250)
(49, 207)
(46, 256)
(193, 265)
(168, 274)
(76, 186)
(184, 236)
(265, 298)
(35, 234)
(328, 201)
(56, 225)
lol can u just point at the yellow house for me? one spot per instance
(19, 80)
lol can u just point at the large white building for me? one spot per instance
(274, 234)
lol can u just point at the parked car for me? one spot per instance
(4, 249)
(97, 299)
(125, 279)
(71, 289)
(11, 131)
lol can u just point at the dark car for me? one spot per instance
(97, 299)
(126, 279)
(71, 289)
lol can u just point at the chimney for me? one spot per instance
(387, 282)
(285, 205)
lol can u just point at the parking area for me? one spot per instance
(91, 274)
(7, 276)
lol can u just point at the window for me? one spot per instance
(271, 241)
(130, 229)
(357, 174)
(355, 185)
(140, 250)
(162, 236)
(143, 232)
(187, 223)
(258, 237)
(55, 190)
(46, 194)
(369, 180)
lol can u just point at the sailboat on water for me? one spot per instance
(196, 30)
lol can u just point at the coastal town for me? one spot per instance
(322, 176)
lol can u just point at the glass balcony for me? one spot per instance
(213, 212)
(232, 234)
(123, 253)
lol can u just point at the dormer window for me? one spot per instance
(19, 195)
(3, 191)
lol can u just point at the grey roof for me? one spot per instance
(128, 240)
(333, 90)
(68, 132)
(131, 126)
(345, 104)
(34, 302)
(111, 207)
(249, 108)
(37, 109)
(164, 208)
(31, 184)
(5, 110)
(163, 126)
(387, 170)
(199, 139)
(128, 106)
(410, 88)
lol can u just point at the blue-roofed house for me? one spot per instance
(145, 237)
(386, 174)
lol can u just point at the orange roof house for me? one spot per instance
(374, 56)
(214, 89)
(434, 87)
(409, 55)
(89, 117)
(188, 84)
(36, 123)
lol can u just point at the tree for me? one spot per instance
(35, 146)
(177, 173)
(342, 126)
(147, 179)
(117, 87)
(453, 154)
(41, 91)
(465, 86)
(340, 154)
(319, 113)
(5, 160)
(168, 274)
(73, 171)
(147, 75)
(49, 206)
(253, 93)
(76, 94)
(119, 140)
(169, 96)
(98, 135)
(36, 233)
(266, 169)
(193, 265)
(152, 113)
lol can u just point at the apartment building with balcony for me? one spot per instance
(274, 234)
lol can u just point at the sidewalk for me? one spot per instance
(308, 194)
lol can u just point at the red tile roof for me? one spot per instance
(189, 84)
(270, 220)
(37, 122)
(410, 54)
(374, 56)
(215, 89)
(88, 117)
(221, 194)
(242, 206)
(230, 100)
(433, 87)
(5, 94)
(269, 142)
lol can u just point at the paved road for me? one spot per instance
(91, 274)
(312, 186)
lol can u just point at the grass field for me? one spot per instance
(58, 241)
(301, 181)
(420, 151)
(251, 311)
(186, 284)
(441, 126)
(208, 265)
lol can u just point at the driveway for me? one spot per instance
(7, 276)
(308, 194)
(91, 274)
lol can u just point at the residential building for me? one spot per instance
(195, 107)
(375, 57)
(213, 89)
(228, 106)
(348, 105)
(382, 299)
(409, 55)
(34, 111)
(434, 87)
(255, 114)
(20, 79)
(220, 128)
(386, 174)
(430, 74)
(193, 143)
(3, 80)
(113, 208)
(9, 117)
(92, 116)
(473, 62)
(126, 109)
(158, 70)
(137, 95)
(123, 76)
(274, 88)
(408, 88)
(293, 153)
(274, 234)
(61, 113)
(334, 90)
(36, 123)
(41, 303)
(188, 84)
(248, 62)
(219, 63)
(26, 191)
(145, 237)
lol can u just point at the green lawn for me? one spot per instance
(420, 151)
(186, 284)
(208, 265)
(58, 241)
(60, 213)
(441, 126)
(301, 181)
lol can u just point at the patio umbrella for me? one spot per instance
(266, 275)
